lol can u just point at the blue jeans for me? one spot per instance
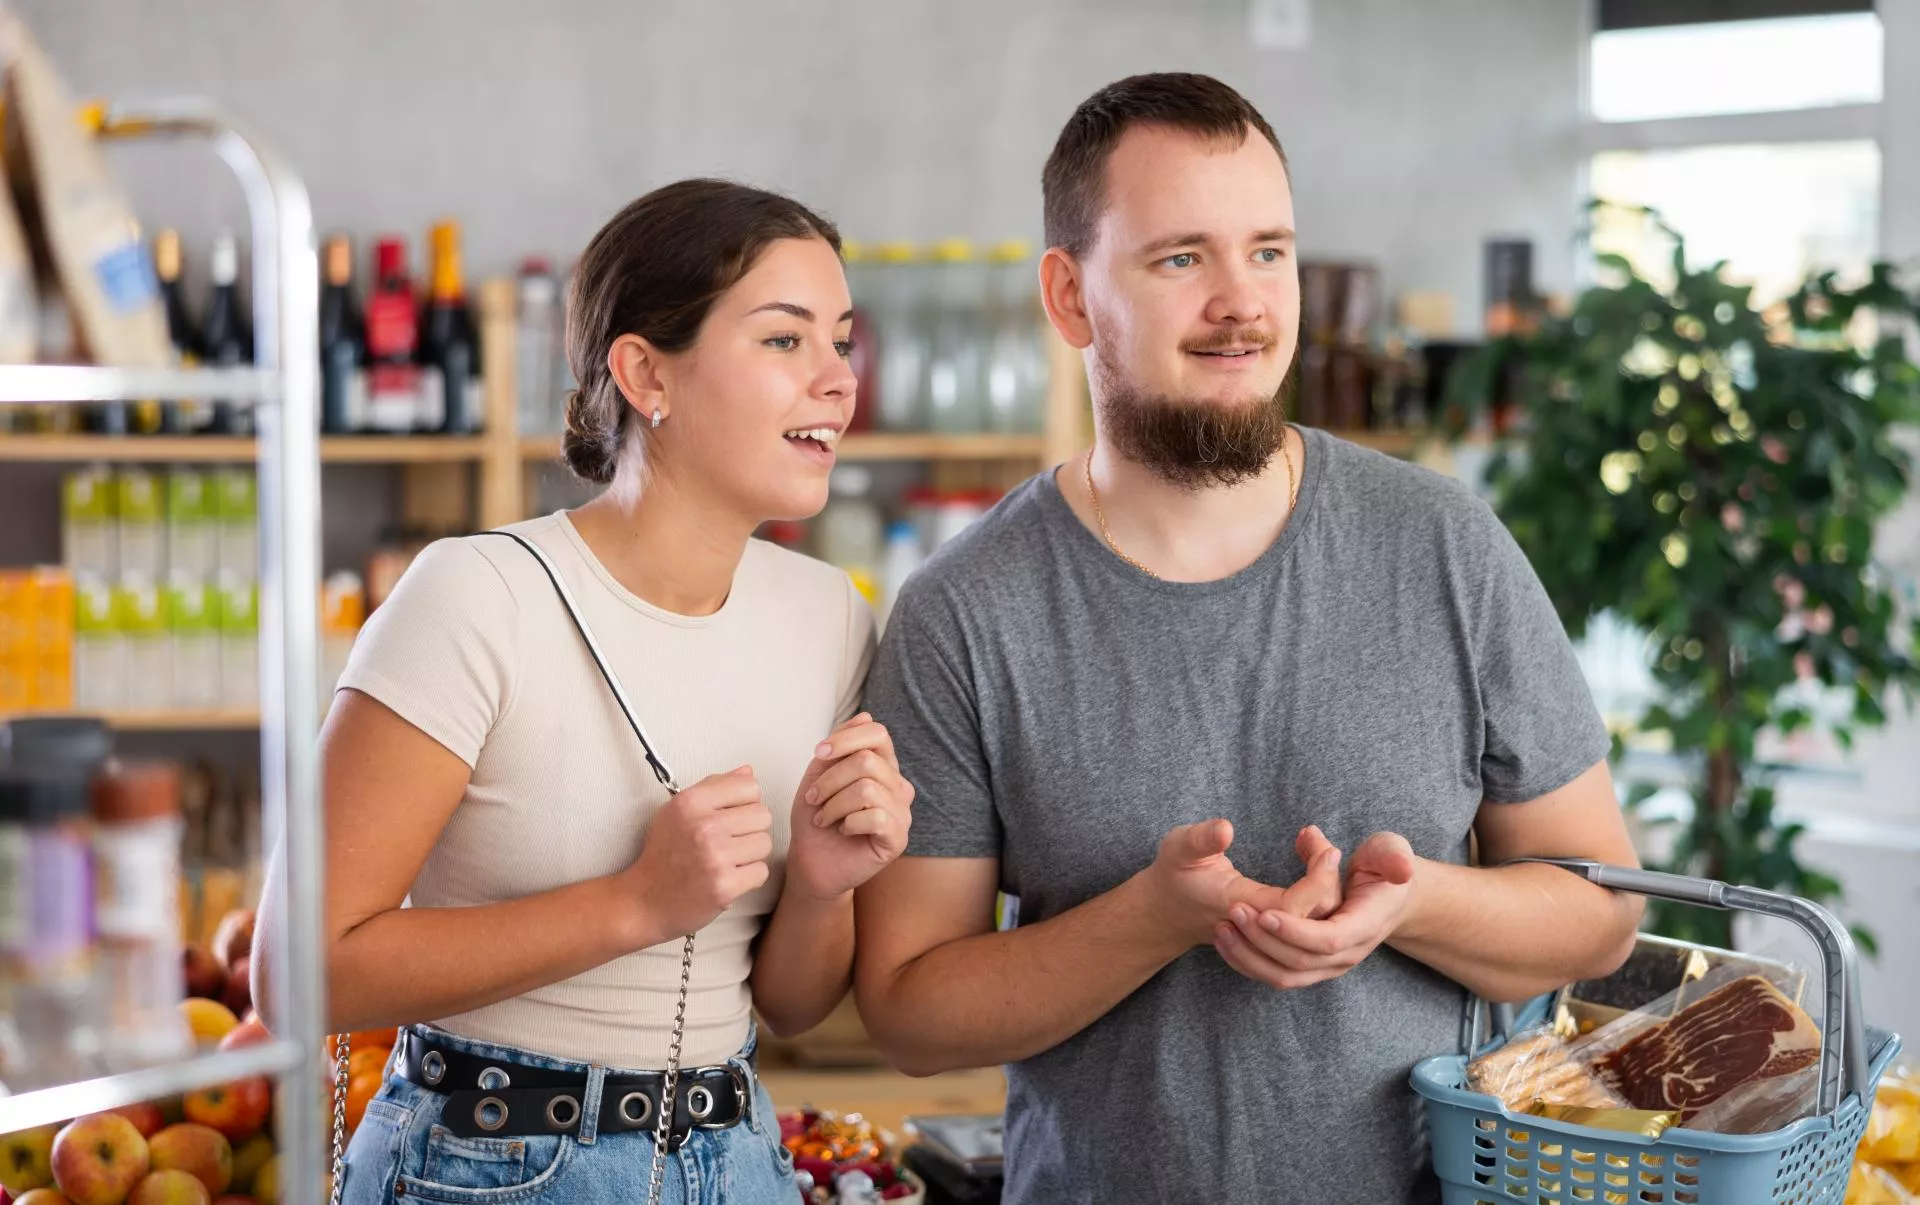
(401, 1153)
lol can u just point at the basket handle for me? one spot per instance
(1843, 1043)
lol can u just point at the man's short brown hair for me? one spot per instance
(1073, 186)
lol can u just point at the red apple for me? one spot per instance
(26, 1159)
(97, 1160)
(145, 1116)
(250, 1032)
(239, 995)
(199, 1150)
(170, 1188)
(206, 978)
(233, 937)
(238, 1110)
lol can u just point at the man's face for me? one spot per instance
(1194, 300)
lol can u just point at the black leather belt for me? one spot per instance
(498, 1098)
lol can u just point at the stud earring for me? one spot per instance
(658, 418)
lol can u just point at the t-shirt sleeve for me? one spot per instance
(1542, 729)
(859, 655)
(440, 651)
(922, 691)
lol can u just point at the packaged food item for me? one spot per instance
(1870, 1185)
(19, 296)
(1648, 1123)
(89, 527)
(140, 506)
(79, 212)
(140, 608)
(1731, 1052)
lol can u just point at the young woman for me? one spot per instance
(506, 860)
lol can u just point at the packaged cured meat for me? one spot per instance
(1732, 1052)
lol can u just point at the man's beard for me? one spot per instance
(1194, 444)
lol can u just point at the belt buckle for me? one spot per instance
(739, 1096)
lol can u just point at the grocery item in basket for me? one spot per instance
(1648, 1123)
(72, 203)
(1745, 1031)
(1539, 1068)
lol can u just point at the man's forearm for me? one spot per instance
(1002, 997)
(1512, 932)
(804, 962)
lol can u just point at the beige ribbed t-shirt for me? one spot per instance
(475, 649)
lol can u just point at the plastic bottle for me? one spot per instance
(904, 554)
(1016, 370)
(851, 531)
(47, 1030)
(900, 370)
(536, 341)
(955, 389)
(137, 827)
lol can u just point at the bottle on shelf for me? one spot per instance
(899, 311)
(49, 1031)
(851, 532)
(343, 343)
(185, 416)
(1016, 372)
(137, 829)
(227, 335)
(449, 344)
(903, 555)
(536, 341)
(393, 376)
(956, 358)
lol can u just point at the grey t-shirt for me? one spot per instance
(1388, 664)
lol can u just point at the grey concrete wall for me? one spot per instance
(1414, 128)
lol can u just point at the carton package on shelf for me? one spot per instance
(99, 652)
(193, 614)
(141, 613)
(36, 640)
(192, 537)
(140, 509)
(238, 603)
(73, 206)
(236, 512)
(343, 608)
(90, 534)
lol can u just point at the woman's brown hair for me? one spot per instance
(655, 271)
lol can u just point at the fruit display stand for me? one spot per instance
(284, 388)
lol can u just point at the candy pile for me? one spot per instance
(841, 1160)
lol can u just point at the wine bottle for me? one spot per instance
(228, 338)
(393, 378)
(343, 343)
(186, 415)
(449, 350)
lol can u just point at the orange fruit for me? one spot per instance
(367, 1059)
(360, 1089)
(388, 1037)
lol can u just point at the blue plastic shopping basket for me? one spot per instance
(1486, 1155)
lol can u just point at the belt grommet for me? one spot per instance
(627, 1107)
(563, 1104)
(433, 1068)
(495, 1078)
(480, 1114)
(699, 1102)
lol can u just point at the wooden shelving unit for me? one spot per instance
(880, 446)
(219, 449)
(215, 720)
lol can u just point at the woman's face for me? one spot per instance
(759, 402)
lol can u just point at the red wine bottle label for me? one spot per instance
(391, 327)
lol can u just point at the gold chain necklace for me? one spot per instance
(1100, 513)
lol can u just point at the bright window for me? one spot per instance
(1735, 67)
(1777, 212)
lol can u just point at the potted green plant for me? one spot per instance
(1712, 475)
